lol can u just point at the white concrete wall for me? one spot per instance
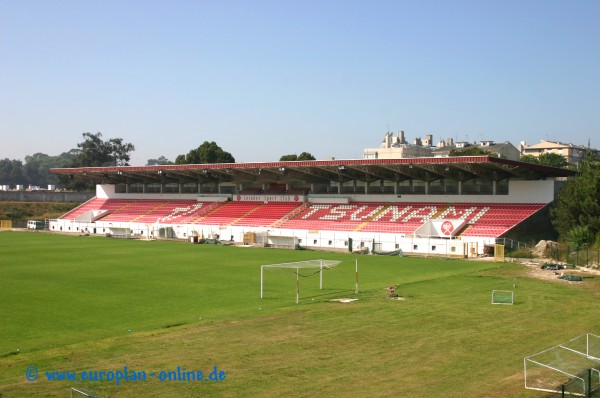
(541, 191)
(519, 192)
(105, 191)
(310, 239)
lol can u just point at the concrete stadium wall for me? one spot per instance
(319, 240)
(45, 196)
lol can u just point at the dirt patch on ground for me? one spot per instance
(345, 300)
(534, 270)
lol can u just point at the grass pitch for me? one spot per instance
(68, 303)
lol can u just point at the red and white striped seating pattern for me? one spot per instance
(483, 219)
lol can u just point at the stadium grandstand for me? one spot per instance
(455, 206)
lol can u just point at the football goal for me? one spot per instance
(503, 297)
(571, 368)
(299, 269)
(123, 233)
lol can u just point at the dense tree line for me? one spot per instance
(93, 151)
(576, 212)
(35, 170)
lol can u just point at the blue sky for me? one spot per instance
(268, 78)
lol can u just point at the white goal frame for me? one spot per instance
(504, 293)
(547, 370)
(320, 264)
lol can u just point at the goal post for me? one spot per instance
(318, 266)
(503, 297)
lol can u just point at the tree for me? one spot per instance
(546, 159)
(530, 159)
(11, 172)
(95, 152)
(578, 203)
(160, 161)
(37, 167)
(208, 152)
(580, 237)
(471, 151)
(553, 159)
(302, 156)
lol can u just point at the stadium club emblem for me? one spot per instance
(296, 198)
(239, 198)
(447, 228)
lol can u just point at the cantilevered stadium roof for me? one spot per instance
(460, 168)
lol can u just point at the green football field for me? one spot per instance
(100, 309)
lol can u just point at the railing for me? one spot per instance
(291, 214)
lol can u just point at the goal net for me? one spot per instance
(503, 297)
(572, 368)
(123, 233)
(262, 239)
(299, 269)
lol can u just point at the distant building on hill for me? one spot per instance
(573, 153)
(504, 150)
(397, 147)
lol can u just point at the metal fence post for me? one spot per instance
(590, 383)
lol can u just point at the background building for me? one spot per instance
(573, 153)
(399, 148)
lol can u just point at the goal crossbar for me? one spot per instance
(305, 264)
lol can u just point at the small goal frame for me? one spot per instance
(503, 293)
(318, 264)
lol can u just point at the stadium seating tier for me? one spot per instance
(483, 219)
